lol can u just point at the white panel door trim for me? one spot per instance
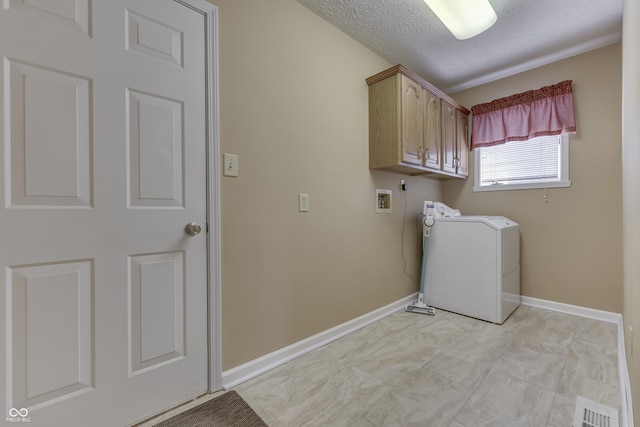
(151, 306)
(210, 13)
(27, 333)
(137, 28)
(23, 187)
(78, 20)
(147, 189)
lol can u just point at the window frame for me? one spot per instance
(562, 181)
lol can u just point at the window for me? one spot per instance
(540, 162)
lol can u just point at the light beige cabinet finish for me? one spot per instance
(455, 130)
(413, 127)
(432, 139)
(397, 126)
(449, 137)
(462, 143)
(420, 127)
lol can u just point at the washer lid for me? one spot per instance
(497, 222)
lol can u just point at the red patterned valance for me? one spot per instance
(546, 111)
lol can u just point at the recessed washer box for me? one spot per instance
(383, 201)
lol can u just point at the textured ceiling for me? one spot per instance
(528, 33)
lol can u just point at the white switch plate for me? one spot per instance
(230, 164)
(303, 200)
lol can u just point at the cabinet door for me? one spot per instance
(411, 122)
(431, 130)
(462, 140)
(448, 137)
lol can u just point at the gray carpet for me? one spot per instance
(227, 410)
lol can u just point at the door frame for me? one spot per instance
(214, 262)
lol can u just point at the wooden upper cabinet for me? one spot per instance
(448, 137)
(455, 128)
(432, 131)
(411, 112)
(462, 143)
(413, 126)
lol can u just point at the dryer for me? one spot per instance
(473, 266)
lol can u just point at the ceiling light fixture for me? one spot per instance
(464, 18)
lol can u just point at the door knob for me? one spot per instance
(192, 229)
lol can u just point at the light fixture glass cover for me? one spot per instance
(464, 18)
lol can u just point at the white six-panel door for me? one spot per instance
(103, 130)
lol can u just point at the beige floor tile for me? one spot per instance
(562, 410)
(468, 361)
(553, 332)
(598, 334)
(505, 401)
(530, 362)
(321, 406)
(469, 371)
(425, 400)
(445, 370)
(273, 391)
(576, 384)
(362, 422)
(595, 362)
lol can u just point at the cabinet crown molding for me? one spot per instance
(401, 69)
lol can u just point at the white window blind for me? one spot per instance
(517, 161)
(537, 160)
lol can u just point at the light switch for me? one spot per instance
(230, 164)
(303, 200)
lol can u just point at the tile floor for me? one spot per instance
(447, 370)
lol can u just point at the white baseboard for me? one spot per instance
(626, 404)
(249, 370)
(591, 313)
(605, 316)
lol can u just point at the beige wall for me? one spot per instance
(631, 191)
(571, 246)
(293, 107)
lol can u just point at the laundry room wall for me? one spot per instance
(571, 245)
(294, 108)
(631, 191)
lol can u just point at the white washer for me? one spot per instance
(473, 266)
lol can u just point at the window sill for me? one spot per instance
(523, 186)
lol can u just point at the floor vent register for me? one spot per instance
(592, 414)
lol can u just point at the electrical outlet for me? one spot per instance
(230, 164)
(303, 201)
